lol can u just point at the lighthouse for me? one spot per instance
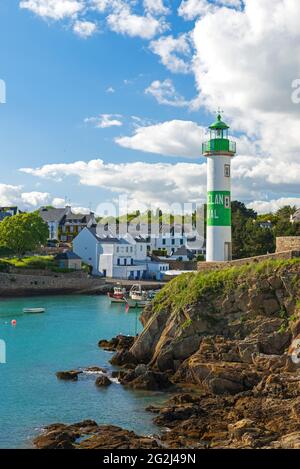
(219, 151)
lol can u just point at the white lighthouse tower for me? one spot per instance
(219, 151)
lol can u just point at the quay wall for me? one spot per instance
(13, 285)
(209, 266)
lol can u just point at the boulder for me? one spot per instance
(103, 381)
(71, 375)
(150, 381)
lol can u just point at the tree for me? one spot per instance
(23, 232)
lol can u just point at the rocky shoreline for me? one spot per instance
(226, 345)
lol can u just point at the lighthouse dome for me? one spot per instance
(219, 124)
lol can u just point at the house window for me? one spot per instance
(227, 201)
(117, 248)
(227, 170)
(164, 241)
(173, 241)
(181, 241)
(125, 261)
(118, 261)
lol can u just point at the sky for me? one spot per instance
(102, 99)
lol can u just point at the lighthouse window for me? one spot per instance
(227, 170)
(227, 201)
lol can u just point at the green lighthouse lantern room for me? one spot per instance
(219, 142)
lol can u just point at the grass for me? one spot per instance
(33, 262)
(188, 289)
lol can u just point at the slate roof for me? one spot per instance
(52, 214)
(68, 255)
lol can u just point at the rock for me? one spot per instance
(123, 357)
(150, 381)
(103, 381)
(95, 369)
(238, 429)
(71, 375)
(140, 370)
(271, 306)
(93, 436)
(120, 342)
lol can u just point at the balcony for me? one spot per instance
(218, 145)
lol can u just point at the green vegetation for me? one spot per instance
(22, 233)
(32, 262)
(188, 289)
(253, 234)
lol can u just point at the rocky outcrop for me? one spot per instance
(89, 435)
(120, 342)
(230, 339)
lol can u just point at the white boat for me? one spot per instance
(138, 298)
(34, 310)
(118, 295)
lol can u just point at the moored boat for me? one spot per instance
(34, 310)
(118, 294)
(138, 298)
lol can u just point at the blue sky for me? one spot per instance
(93, 85)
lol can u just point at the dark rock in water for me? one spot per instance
(60, 436)
(71, 375)
(95, 369)
(120, 342)
(103, 381)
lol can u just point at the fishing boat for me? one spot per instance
(34, 310)
(138, 298)
(118, 294)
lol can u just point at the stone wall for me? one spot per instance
(288, 243)
(35, 284)
(182, 265)
(208, 266)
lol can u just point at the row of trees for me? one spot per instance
(251, 234)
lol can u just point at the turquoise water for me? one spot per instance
(63, 338)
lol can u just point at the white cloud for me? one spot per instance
(172, 138)
(156, 7)
(266, 206)
(105, 121)
(174, 53)
(110, 89)
(126, 22)
(84, 28)
(144, 182)
(191, 9)
(54, 9)
(15, 195)
(165, 93)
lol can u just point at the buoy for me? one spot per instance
(13, 322)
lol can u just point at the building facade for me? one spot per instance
(64, 225)
(117, 257)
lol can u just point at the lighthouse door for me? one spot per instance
(227, 252)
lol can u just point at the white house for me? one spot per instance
(117, 257)
(159, 236)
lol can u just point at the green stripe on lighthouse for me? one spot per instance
(218, 208)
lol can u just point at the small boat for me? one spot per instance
(34, 310)
(118, 295)
(138, 298)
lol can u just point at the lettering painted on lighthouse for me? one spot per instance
(218, 208)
